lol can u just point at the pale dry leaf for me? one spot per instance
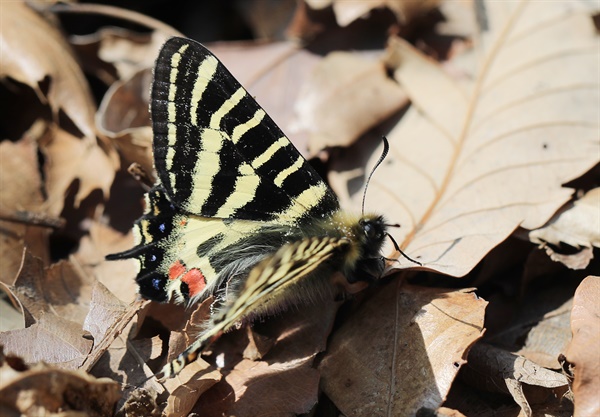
(104, 311)
(188, 386)
(401, 350)
(583, 349)
(471, 166)
(123, 117)
(52, 340)
(347, 11)
(497, 370)
(576, 261)
(337, 103)
(60, 289)
(32, 50)
(20, 189)
(117, 277)
(70, 158)
(577, 224)
(129, 52)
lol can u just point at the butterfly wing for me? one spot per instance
(217, 153)
(270, 283)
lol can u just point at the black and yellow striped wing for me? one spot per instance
(275, 278)
(217, 153)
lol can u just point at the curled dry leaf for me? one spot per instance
(470, 167)
(33, 49)
(577, 224)
(336, 105)
(496, 370)
(44, 390)
(347, 12)
(401, 350)
(583, 350)
(579, 260)
(127, 51)
(124, 118)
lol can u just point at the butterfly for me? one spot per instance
(237, 212)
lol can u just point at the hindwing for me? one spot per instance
(217, 153)
(268, 287)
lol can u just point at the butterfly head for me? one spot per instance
(373, 230)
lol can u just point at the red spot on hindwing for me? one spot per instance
(195, 280)
(176, 269)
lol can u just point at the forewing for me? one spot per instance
(217, 153)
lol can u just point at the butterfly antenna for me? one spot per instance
(386, 148)
(398, 247)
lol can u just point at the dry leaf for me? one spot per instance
(129, 52)
(69, 159)
(401, 350)
(577, 224)
(583, 350)
(32, 50)
(20, 189)
(577, 261)
(497, 370)
(336, 104)
(117, 277)
(46, 391)
(347, 11)
(123, 117)
(52, 340)
(60, 289)
(188, 386)
(284, 382)
(471, 167)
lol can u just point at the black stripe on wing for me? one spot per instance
(217, 153)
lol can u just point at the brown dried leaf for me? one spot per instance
(401, 350)
(473, 167)
(117, 277)
(577, 224)
(185, 388)
(285, 381)
(52, 340)
(497, 370)
(105, 310)
(583, 350)
(579, 260)
(347, 11)
(60, 289)
(20, 189)
(45, 390)
(124, 118)
(70, 158)
(336, 104)
(127, 51)
(32, 50)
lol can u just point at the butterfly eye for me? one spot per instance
(371, 231)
